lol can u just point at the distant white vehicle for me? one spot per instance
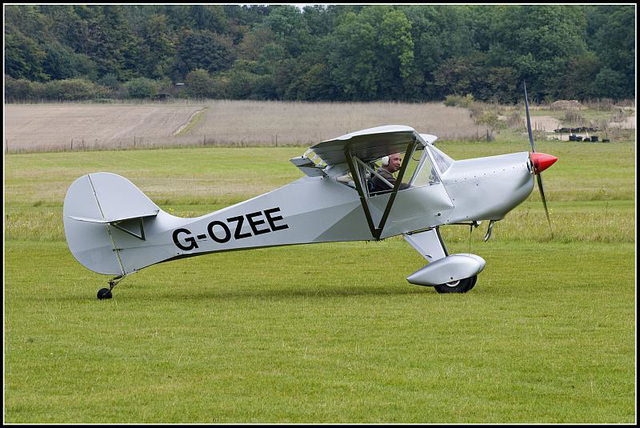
(112, 228)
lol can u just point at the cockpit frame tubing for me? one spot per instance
(403, 168)
(374, 172)
(355, 173)
(354, 168)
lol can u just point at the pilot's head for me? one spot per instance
(394, 162)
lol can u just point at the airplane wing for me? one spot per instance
(368, 144)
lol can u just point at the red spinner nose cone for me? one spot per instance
(542, 161)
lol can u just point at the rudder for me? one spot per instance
(94, 204)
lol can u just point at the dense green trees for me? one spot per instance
(340, 53)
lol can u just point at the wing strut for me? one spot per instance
(405, 162)
(355, 173)
(376, 232)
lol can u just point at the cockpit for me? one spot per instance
(374, 161)
(424, 167)
(385, 167)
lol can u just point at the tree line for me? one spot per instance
(319, 53)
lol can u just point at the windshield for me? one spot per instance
(425, 174)
(443, 162)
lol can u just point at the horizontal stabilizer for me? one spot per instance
(114, 220)
(308, 167)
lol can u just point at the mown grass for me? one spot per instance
(283, 335)
(327, 332)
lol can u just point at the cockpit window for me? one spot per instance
(387, 171)
(414, 163)
(443, 162)
(425, 173)
(379, 176)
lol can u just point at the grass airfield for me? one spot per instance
(326, 332)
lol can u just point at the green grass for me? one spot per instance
(326, 332)
(590, 189)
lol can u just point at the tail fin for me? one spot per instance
(95, 204)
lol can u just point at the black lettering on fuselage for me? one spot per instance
(192, 242)
(222, 234)
(254, 223)
(239, 220)
(272, 220)
(227, 232)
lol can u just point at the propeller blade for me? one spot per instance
(544, 201)
(526, 100)
(541, 162)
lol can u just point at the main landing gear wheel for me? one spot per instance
(460, 286)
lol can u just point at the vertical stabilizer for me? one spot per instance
(95, 205)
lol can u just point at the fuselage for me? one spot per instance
(488, 188)
(321, 209)
(113, 228)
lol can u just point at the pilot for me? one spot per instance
(390, 164)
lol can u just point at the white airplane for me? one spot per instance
(112, 228)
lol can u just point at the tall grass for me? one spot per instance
(79, 127)
(69, 127)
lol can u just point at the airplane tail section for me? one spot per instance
(101, 209)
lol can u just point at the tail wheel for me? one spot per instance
(104, 293)
(460, 286)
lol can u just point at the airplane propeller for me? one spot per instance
(540, 161)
